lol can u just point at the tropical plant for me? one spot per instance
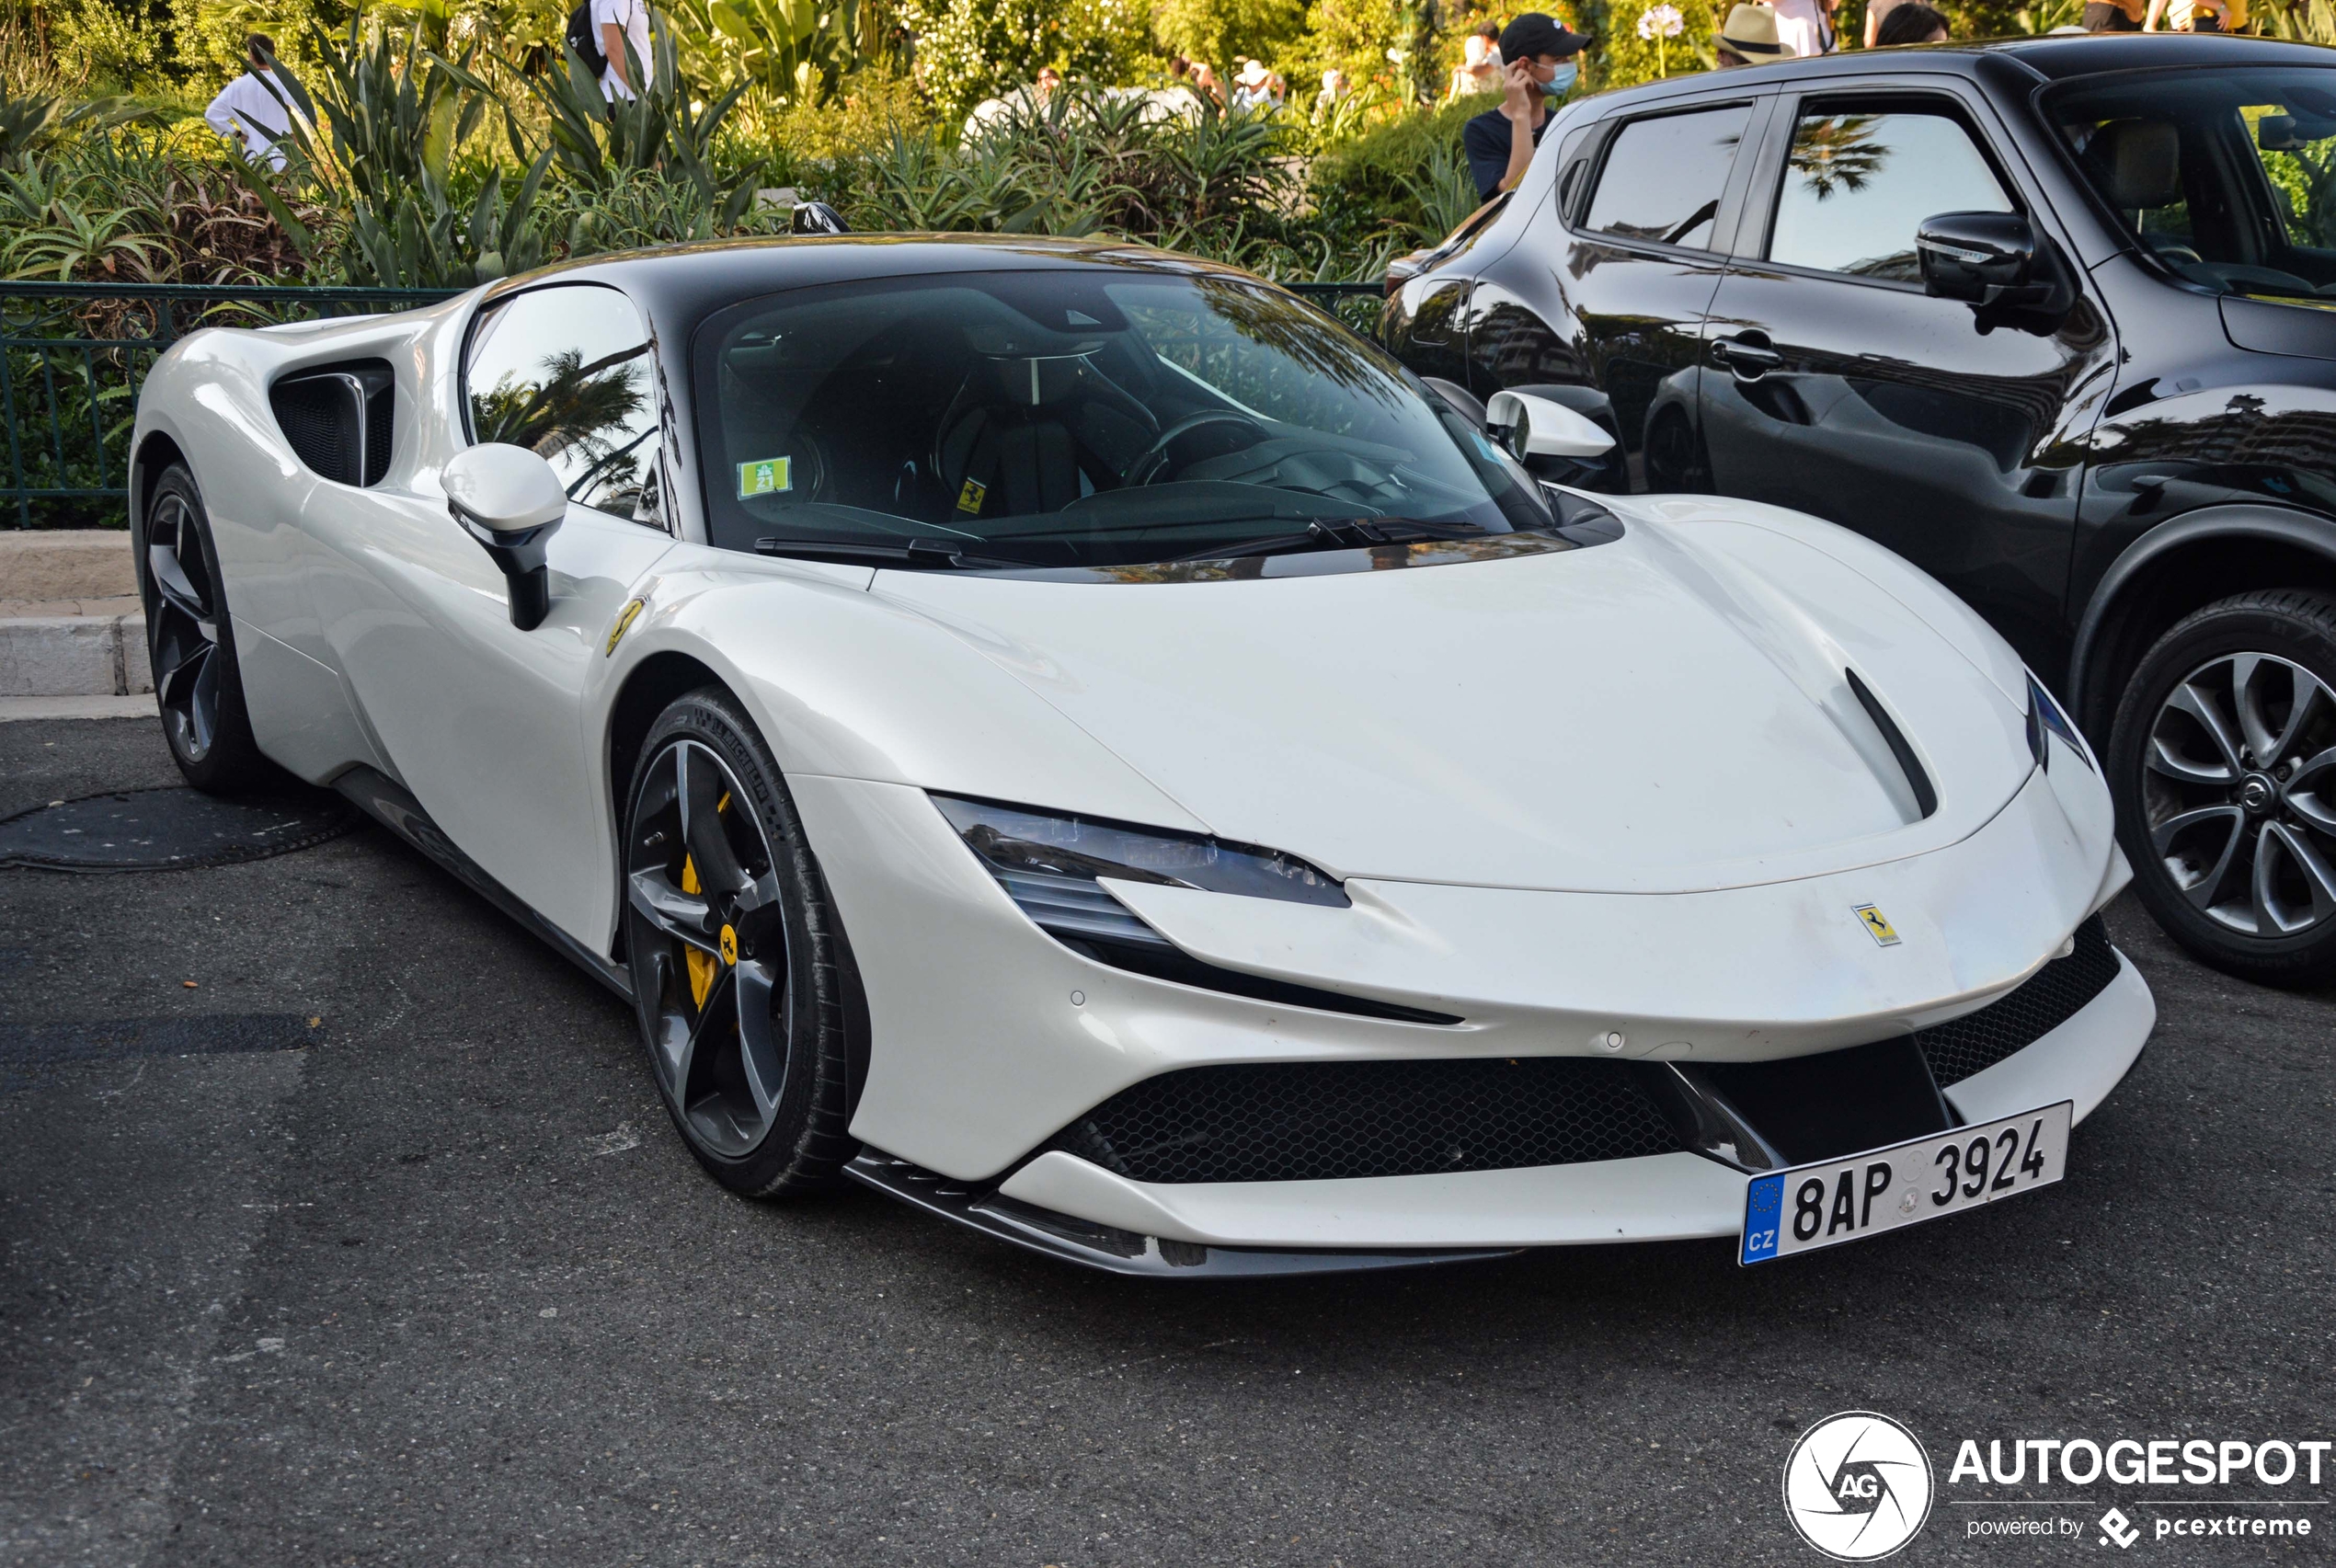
(595, 140)
(796, 51)
(33, 123)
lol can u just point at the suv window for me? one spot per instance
(564, 372)
(2221, 175)
(1663, 176)
(1859, 183)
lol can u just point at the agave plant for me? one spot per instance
(595, 140)
(33, 123)
(797, 50)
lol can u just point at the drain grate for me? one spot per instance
(167, 830)
(25, 1048)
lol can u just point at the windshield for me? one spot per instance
(1075, 419)
(2224, 176)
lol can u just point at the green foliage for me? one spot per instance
(1377, 172)
(971, 49)
(1220, 31)
(1623, 59)
(793, 50)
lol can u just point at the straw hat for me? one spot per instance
(1751, 30)
(1253, 74)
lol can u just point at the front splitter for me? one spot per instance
(1114, 1251)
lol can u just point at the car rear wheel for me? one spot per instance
(190, 640)
(2223, 759)
(740, 970)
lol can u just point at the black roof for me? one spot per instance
(2047, 58)
(685, 279)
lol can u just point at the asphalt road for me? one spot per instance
(442, 1287)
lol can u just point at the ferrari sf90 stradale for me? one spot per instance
(1073, 737)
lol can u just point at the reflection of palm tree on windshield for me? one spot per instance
(1835, 152)
(574, 412)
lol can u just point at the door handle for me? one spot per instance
(1747, 354)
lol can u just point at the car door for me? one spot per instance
(1837, 386)
(1605, 296)
(483, 723)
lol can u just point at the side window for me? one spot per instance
(1858, 184)
(1664, 178)
(565, 371)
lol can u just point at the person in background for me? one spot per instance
(1541, 69)
(616, 23)
(1479, 67)
(1911, 22)
(1049, 82)
(2196, 15)
(1204, 80)
(1253, 89)
(1748, 37)
(256, 105)
(2114, 15)
(1803, 27)
(1333, 89)
(1874, 11)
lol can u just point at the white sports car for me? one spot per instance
(1073, 737)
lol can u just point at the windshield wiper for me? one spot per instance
(910, 553)
(1340, 534)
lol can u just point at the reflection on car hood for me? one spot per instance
(1666, 713)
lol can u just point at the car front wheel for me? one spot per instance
(198, 684)
(2223, 759)
(740, 973)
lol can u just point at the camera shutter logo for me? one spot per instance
(1858, 1486)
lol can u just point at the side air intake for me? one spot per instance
(338, 418)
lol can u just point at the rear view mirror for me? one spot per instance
(510, 501)
(1994, 260)
(1531, 425)
(2292, 132)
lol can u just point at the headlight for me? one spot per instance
(2046, 719)
(1048, 864)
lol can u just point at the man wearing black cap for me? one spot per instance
(1539, 68)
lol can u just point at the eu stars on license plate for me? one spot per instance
(1833, 1201)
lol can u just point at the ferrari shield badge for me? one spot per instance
(1877, 926)
(767, 476)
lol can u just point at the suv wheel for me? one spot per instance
(2223, 761)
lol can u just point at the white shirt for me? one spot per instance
(1800, 28)
(244, 106)
(633, 16)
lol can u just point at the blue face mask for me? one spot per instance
(1557, 86)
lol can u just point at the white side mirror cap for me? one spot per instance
(1531, 425)
(504, 489)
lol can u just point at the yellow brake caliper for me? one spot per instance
(704, 966)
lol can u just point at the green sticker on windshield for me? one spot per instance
(767, 477)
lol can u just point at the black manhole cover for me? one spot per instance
(169, 830)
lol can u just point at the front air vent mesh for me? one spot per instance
(2049, 998)
(338, 418)
(1295, 1121)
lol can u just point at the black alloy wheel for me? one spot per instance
(2223, 759)
(740, 977)
(198, 685)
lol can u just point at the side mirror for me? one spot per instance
(1998, 264)
(1531, 425)
(816, 218)
(509, 500)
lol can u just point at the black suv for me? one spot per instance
(2054, 319)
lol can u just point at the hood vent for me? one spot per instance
(1926, 793)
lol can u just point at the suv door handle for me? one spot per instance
(1747, 354)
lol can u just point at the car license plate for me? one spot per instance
(1832, 1201)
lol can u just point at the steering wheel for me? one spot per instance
(1155, 456)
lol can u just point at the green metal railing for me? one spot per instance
(72, 357)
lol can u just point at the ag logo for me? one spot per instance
(1858, 1486)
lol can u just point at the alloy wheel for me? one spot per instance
(2239, 793)
(184, 632)
(708, 947)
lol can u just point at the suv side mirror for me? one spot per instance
(1994, 260)
(510, 501)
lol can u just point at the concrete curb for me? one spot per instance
(71, 624)
(14, 708)
(74, 656)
